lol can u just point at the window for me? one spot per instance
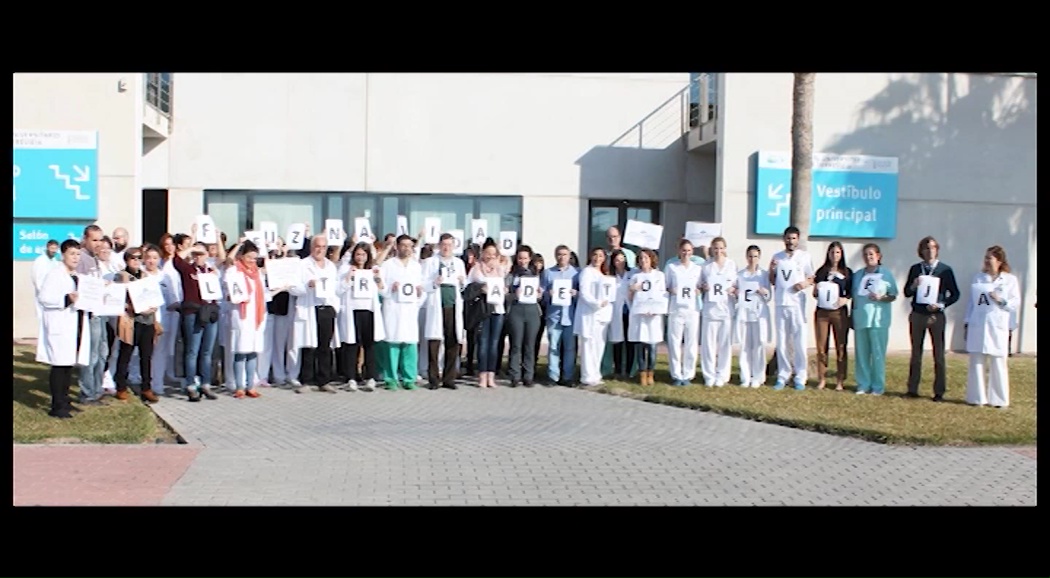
(158, 91)
(605, 214)
(237, 211)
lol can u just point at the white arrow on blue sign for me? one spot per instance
(55, 175)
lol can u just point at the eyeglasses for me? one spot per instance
(135, 256)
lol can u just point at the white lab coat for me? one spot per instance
(586, 323)
(401, 320)
(304, 329)
(988, 329)
(345, 320)
(648, 329)
(58, 343)
(247, 335)
(41, 267)
(434, 324)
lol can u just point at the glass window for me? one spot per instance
(388, 217)
(364, 205)
(335, 209)
(454, 212)
(229, 211)
(601, 219)
(502, 214)
(288, 208)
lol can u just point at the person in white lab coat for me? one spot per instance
(594, 312)
(65, 340)
(646, 328)
(279, 312)
(718, 285)
(360, 317)
(995, 295)
(753, 327)
(683, 318)
(247, 319)
(314, 332)
(403, 276)
(42, 265)
(444, 277)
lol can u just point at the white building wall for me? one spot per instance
(966, 146)
(471, 134)
(84, 102)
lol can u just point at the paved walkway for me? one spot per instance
(554, 446)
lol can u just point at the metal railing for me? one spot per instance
(692, 106)
(158, 91)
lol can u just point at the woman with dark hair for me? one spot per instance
(834, 284)
(491, 272)
(538, 266)
(593, 315)
(873, 290)
(996, 294)
(360, 319)
(646, 327)
(623, 350)
(523, 319)
(247, 318)
(470, 255)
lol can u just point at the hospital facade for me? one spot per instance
(557, 158)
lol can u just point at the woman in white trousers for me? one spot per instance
(718, 284)
(754, 326)
(593, 315)
(995, 294)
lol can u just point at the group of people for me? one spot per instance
(397, 311)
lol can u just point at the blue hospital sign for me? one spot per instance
(31, 239)
(55, 175)
(854, 196)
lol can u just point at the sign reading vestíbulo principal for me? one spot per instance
(854, 196)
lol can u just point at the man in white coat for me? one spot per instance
(65, 340)
(445, 277)
(790, 273)
(314, 335)
(403, 276)
(42, 265)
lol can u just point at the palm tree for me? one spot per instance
(802, 153)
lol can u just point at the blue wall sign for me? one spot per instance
(55, 175)
(30, 240)
(854, 196)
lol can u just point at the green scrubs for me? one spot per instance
(871, 328)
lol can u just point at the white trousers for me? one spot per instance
(591, 351)
(716, 357)
(752, 356)
(278, 344)
(294, 361)
(791, 345)
(683, 342)
(997, 391)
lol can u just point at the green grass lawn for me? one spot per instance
(891, 418)
(127, 422)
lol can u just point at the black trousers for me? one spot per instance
(472, 350)
(623, 352)
(525, 323)
(143, 339)
(317, 362)
(919, 324)
(59, 380)
(448, 330)
(364, 328)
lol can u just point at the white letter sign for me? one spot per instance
(206, 230)
(508, 243)
(334, 232)
(295, 238)
(479, 229)
(929, 287)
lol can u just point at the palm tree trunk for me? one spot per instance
(802, 154)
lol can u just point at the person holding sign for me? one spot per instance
(791, 272)
(833, 291)
(401, 301)
(248, 318)
(202, 292)
(622, 350)
(593, 315)
(873, 291)
(446, 277)
(995, 295)
(683, 319)
(524, 318)
(65, 340)
(138, 330)
(614, 239)
(279, 325)
(491, 271)
(753, 324)
(561, 340)
(646, 327)
(314, 335)
(718, 285)
(360, 317)
(932, 288)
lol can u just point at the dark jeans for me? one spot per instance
(448, 330)
(491, 330)
(59, 380)
(317, 362)
(523, 323)
(919, 324)
(364, 327)
(501, 346)
(143, 339)
(472, 350)
(623, 352)
(646, 356)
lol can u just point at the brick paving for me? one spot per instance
(555, 446)
(97, 475)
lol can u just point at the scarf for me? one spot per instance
(251, 274)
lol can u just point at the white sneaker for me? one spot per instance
(295, 383)
(369, 385)
(351, 385)
(719, 383)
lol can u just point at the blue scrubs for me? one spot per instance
(871, 329)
